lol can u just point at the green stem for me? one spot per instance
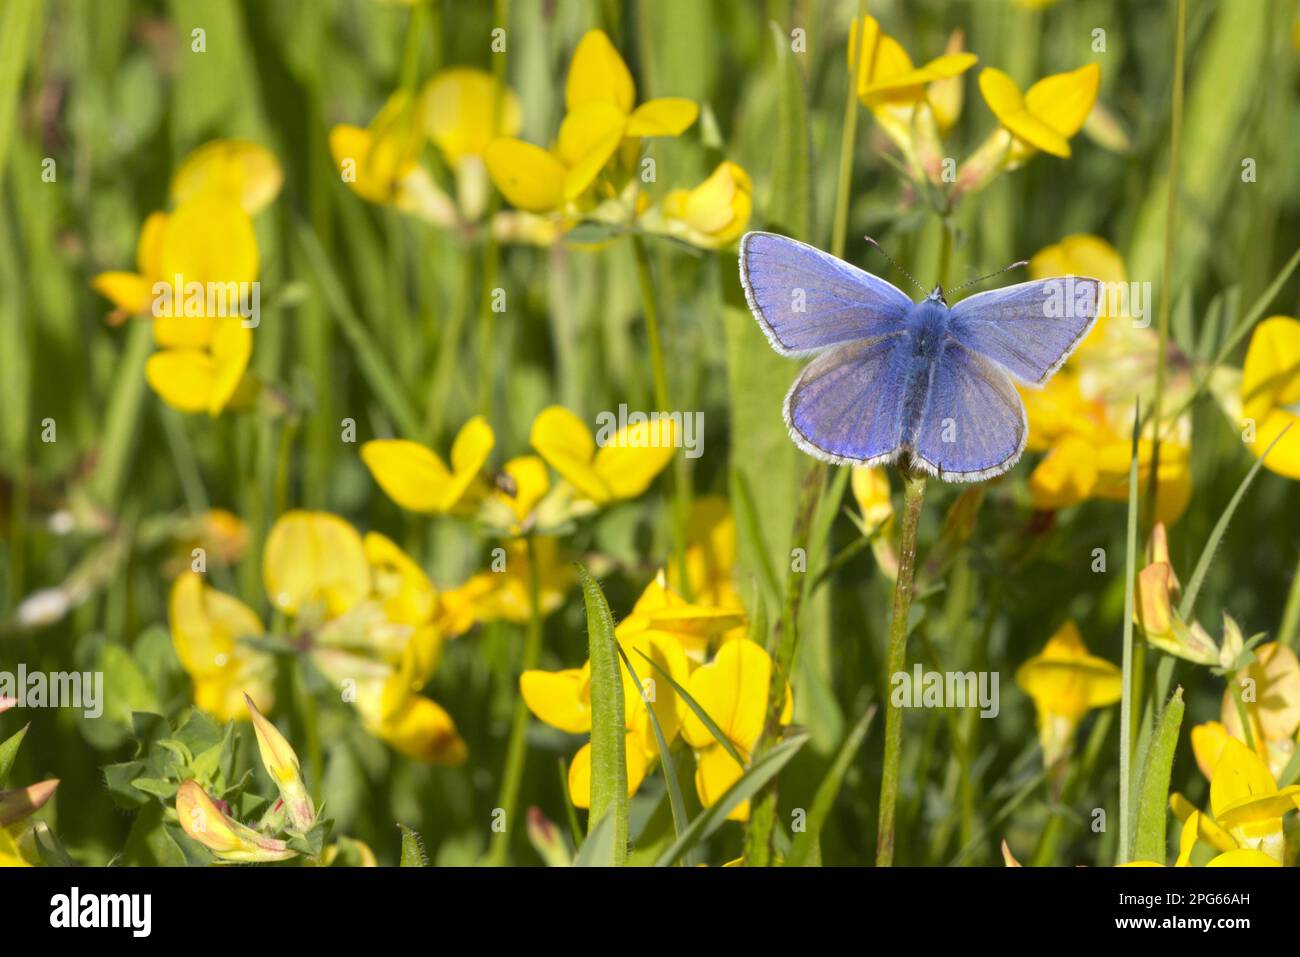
(844, 180)
(513, 776)
(681, 468)
(913, 496)
(1167, 274)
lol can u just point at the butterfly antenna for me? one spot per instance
(1015, 265)
(895, 264)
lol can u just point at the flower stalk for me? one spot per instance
(913, 497)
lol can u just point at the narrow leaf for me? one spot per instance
(806, 844)
(9, 752)
(1153, 796)
(608, 722)
(412, 848)
(713, 817)
(675, 801)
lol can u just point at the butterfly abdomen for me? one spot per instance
(927, 336)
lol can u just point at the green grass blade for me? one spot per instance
(698, 709)
(379, 374)
(1216, 535)
(1126, 700)
(807, 842)
(713, 817)
(598, 849)
(791, 199)
(608, 722)
(1153, 797)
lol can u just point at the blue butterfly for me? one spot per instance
(893, 376)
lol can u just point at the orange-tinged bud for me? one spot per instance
(281, 764)
(204, 822)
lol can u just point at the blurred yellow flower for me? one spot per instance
(381, 162)
(459, 105)
(1270, 393)
(206, 628)
(710, 557)
(712, 215)
(732, 689)
(239, 169)
(1048, 114)
(1246, 806)
(1269, 689)
(314, 562)
(622, 468)
(414, 477)
(913, 105)
(1066, 682)
(600, 123)
(1083, 417)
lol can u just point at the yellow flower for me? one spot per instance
(381, 163)
(871, 491)
(1048, 114)
(281, 764)
(1270, 690)
(414, 477)
(504, 593)
(206, 626)
(1246, 806)
(899, 93)
(947, 96)
(316, 561)
(732, 689)
(661, 610)
(390, 709)
(601, 121)
(520, 486)
(710, 556)
(1083, 417)
(562, 699)
(712, 215)
(622, 468)
(1066, 683)
(247, 172)
(463, 110)
(230, 841)
(1270, 392)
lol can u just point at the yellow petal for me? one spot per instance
(1242, 789)
(580, 772)
(314, 557)
(244, 172)
(1066, 476)
(205, 623)
(527, 175)
(1065, 681)
(715, 772)
(409, 473)
(469, 453)
(589, 136)
(628, 463)
(149, 247)
(408, 595)
(184, 378)
(1243, 857)
(597, 73)
(531, 482)
(1270, 392)
(732, 690)
(129, 291)
(458, 106)
(567, 445)
(1063, 100)
(232, 345)
(665, 116)
(1208, 740)
(559, 698)
(209, 239)
(420, 728)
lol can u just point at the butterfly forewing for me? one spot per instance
(1028, 329)
(806, 300)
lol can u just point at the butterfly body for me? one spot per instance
(892, 377)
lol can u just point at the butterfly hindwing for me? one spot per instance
(1028, 329)
(846, 405)
(806, 300)
(973, 424)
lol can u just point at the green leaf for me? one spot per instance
(9, 752)
(700, 713)
(608, 721)
(412, 848)
(1153, 795)
(714, 816)
(806, 843)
